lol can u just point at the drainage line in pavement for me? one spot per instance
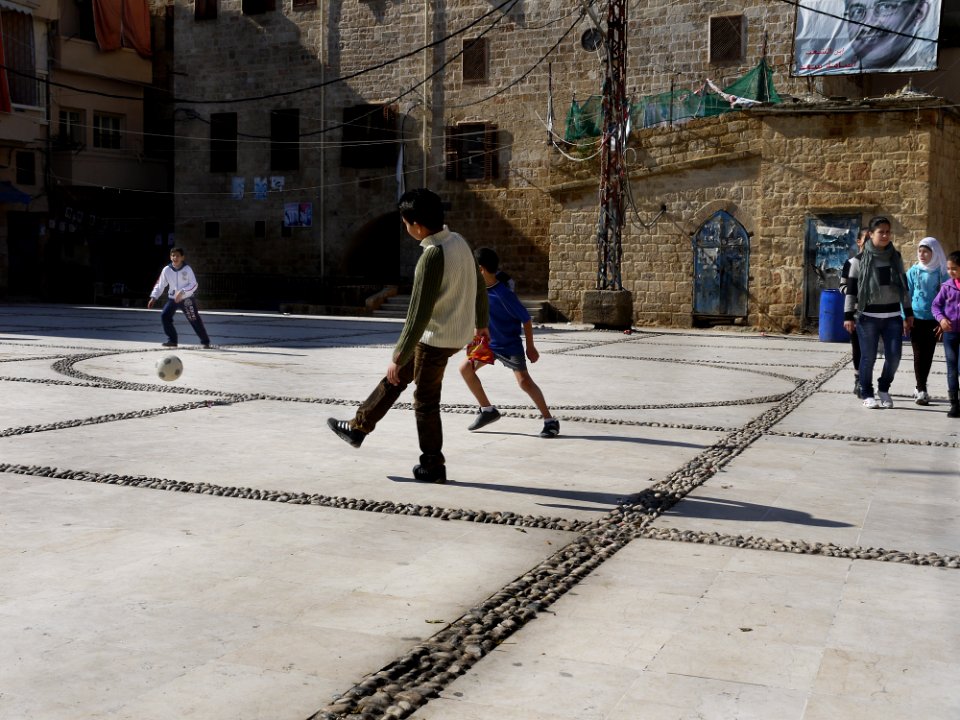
(866, 439)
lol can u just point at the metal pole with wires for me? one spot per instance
(609, 305)
(616, 113)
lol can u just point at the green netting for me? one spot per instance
(585, 118)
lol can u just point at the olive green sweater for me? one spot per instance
(449, 298)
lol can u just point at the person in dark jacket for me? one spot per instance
(877, 306)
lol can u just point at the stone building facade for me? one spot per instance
(465, 89)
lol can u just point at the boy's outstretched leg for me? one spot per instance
(551, 426)
(488, 413)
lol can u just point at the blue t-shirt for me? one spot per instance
(923, 289)
(507, 316)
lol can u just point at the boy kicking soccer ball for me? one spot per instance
(507, 317)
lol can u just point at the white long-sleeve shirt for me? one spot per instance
(182, 280)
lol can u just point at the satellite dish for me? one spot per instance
(591, 40)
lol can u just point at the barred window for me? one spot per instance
(257, 7)
(728, 39)
(475, 60)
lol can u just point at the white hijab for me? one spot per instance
(939, 260)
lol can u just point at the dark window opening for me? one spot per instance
(26, 168)
(211, 229)
(260, 228)
(475, 60)
(204, 9)
(257, 7)
(168, 14)
(285, 139)
(727, 39)
(369, 136)
(304, 3)
(86, 29)
(471, 152)
(223, 142)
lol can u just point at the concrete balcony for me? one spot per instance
(85, 57)
(23, 125)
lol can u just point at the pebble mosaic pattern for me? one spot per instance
(398, 689)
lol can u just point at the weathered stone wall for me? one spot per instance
(771, 170)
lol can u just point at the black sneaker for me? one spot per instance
(437, 475)
(484, 418)
(169, 344)
(346, 433)
(551, 428)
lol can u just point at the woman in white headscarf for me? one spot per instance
(924, 280)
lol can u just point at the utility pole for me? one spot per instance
(610, 305)
(616, 112)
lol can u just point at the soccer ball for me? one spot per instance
(169, 367)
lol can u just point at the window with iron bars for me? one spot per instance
(727, 39)
(475, 60)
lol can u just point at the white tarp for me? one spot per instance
(845, 37)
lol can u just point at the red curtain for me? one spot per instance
(136, 26)
(122, 23)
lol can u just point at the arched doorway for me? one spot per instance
(721, 266)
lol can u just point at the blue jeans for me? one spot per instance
(192, 313)
(951, 348)
(870, 330)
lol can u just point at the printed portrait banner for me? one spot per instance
(849, 37)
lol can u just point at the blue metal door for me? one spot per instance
(721, 267)
(829, 241)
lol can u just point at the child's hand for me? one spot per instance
(946, 325)
(150, 303)
(532, 354)
(179, 296)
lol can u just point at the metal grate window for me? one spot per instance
(19, 56)
(475, 60)
(727, 34)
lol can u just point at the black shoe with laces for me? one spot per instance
(484, 418)
(437, 475)
(169, 344)
(551, 428)
(346, 433)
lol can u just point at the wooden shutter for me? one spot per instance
(451, 153)
(491, 156)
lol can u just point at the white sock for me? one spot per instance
(488, 408)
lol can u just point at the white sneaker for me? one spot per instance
(871, 403)
(920, 397)
(885, 399)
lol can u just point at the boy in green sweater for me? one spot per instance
(448, 306)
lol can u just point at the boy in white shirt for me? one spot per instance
(182, 284)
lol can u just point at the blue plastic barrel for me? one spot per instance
(831, 317)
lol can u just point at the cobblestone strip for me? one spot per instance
(800, 547)
(112, 417)
(866, 439)
(340, 503)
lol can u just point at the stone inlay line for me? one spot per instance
(865, 439)
(800, 547)
(300, 498)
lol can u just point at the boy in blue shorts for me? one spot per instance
(507, 317)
